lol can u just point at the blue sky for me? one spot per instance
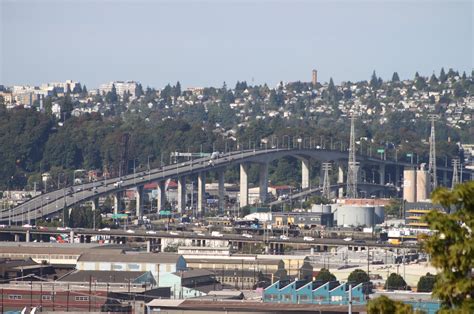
(204, 43)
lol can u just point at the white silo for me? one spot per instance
(422, 179)
(409, 185)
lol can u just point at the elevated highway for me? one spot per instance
(54, 202)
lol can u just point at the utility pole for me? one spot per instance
(326, 182)
(432, 162)
(455, 181)
(353, 166)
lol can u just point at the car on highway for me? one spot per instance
(246, 235)
(308, 239)
(27, 226)
(151, 232)
(104, 229)
(130, 231)
(174, 233)
(216, 234)
(348, 239)
(284, 237)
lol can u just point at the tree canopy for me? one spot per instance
(451, 247)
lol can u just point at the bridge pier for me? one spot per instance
(95, 204)
(117, 200)
(27, 236)
(397, 176)
(304, 173)
(201, 206)
(181, 194)
(382, 174)
(17, 237)
(340, 180)
(71, 236)
(161, 197)
(139, 201)
(263, 182)
(244, 188)
(445, 178)
(221, 190)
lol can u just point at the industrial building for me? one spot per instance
(313, 292)
(348, 215)
(414, 213)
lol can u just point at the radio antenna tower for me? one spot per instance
(326, 182)
(432, 163)
(353, 166)
(455, 181)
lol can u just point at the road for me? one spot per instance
(147, 234)
(53, 202)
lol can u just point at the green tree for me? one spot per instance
(325, 275)
(384, 305)
(358, 276)
(395, 282)
(442, 76)
(395, 77)
(451, 247)
(426, 283)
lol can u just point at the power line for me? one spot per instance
(326, 182)
(432, 162)
(455, 181)
(353, 166)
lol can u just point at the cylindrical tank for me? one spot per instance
(355, 216)
(379, 214)
(421, 185)
(409, 185)
(326, 209)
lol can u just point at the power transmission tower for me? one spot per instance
(353, 166)
(326, 182)
(455, 181)
(432, 163)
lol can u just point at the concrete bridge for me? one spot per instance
(57, 201)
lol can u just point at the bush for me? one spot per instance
(395, 282)
(426, 283)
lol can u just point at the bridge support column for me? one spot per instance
(161, 197)
(340, 180)
(117, 200)
(304, 173)
(221, 190)
(397, 176)
(445, 178)
(139, 201)
(201, 206)
(382, 174)
(95, 204)
(181, 194)
(27, 236)
(17, 237)
(263, 182)
(148, 246)
(71, 236)
(244, 188)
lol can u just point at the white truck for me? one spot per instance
(216, 234)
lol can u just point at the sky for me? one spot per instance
(204, 43)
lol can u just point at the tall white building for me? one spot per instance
(121, 87)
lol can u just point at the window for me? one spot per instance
(14, 297)
(133, 266)
(46, 297)
(81, 298)
(117, 267)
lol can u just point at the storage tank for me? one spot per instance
(326, 209)
(409, 185)
(422, 180)
(379, 214)
(355, 215)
